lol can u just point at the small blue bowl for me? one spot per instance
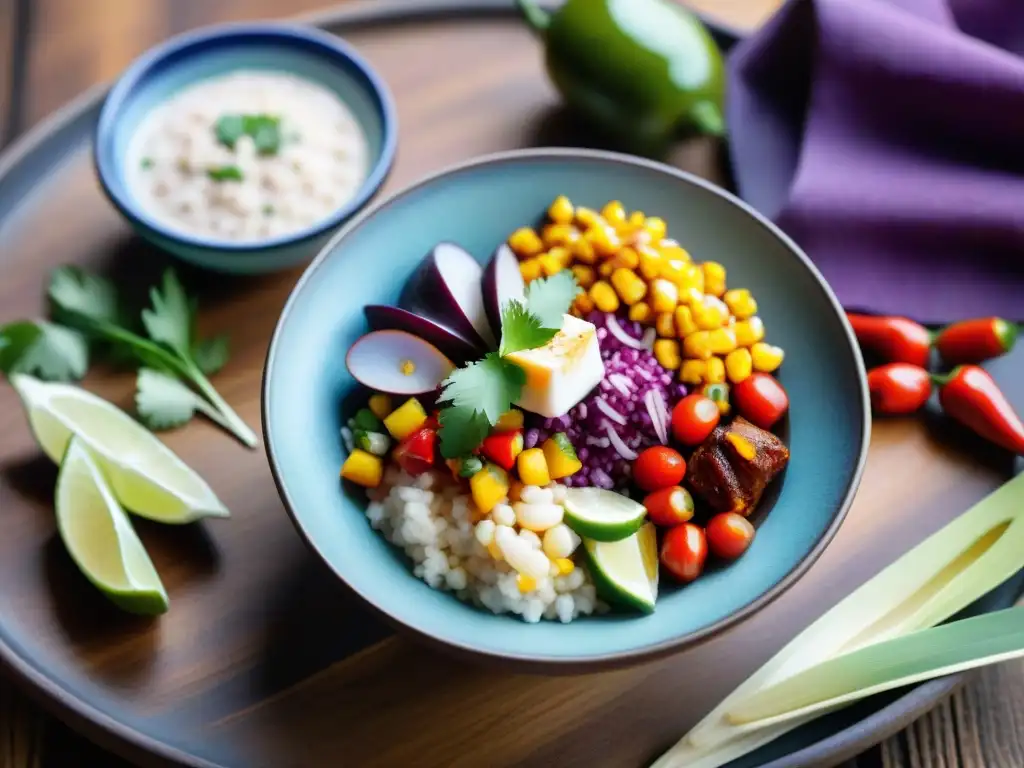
(183, 60)
(477, 205)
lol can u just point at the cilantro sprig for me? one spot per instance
(86, 313)
(479, 393)
(264, 130)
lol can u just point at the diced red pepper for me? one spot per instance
(503, 447)
(416, 453)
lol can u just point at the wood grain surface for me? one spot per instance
(382, 706)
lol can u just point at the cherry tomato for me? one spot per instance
(898, 388)
(729, 535)
(659, 467)
(669, 506)
(694, 418)
(684, 550)
(761, 400)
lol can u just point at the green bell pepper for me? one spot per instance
(640, 70)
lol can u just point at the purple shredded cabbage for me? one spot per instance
(585, 424)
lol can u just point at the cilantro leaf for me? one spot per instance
(550, 298)
(170, 320)
(225, 173)
(521, 329)
(39, 348)
(462, 430)
(489, 386)
(229, 129)
(210, 355)
(76, 295)
(166, 402)
(264, 130)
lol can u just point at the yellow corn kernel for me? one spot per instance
(604, 240)
(697, 346)
(549, 265)
(627, 257)
(684, 322)
(587, 217)
(670, 249)
(716, 371)
(380, 405)
(583, 303)
(561, 211)
(604, 296)
(741, 303)
(636, 221)
(641, 312)
(674, 270)
(585, 276)
(509, 420)
(526, 583)
(749, 331)
(664, 325)
(525, 242)
(693, 371)
(666, 352)
(530, 269)
(711, 313)
(655, 227)
(691, 297)
(714, 278)
(582, 251)
(562, 254)
(664, 295)
(739, 365)
(614, 214)
(363, 468)
(765, 357)
(558, 234)
(722, 340)
(565, 566)
(650, 262)
(605, 269)
(493, 550)
(630, 287)
(533, 467)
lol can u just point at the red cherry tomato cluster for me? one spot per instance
(659, 471)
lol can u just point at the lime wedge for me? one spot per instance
(601, 515)
(145, 475)
(100, 537)
(626, 571)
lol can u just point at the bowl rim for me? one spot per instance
(320, 44)
(590, 662)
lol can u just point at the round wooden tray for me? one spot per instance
(264, 660)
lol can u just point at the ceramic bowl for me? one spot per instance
(478, 205)
(183, 60)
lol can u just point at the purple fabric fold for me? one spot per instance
(887, 138)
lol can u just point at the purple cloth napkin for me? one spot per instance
(887, 138)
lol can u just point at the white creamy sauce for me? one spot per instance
(297, 154)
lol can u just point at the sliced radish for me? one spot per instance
(502, 282)
(398, 363)
(454, 345)
(446, 288)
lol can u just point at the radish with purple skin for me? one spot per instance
(453, 344)
(397, 363)
(446, 288)
(502, 283)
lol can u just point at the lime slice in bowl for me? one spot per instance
(601, 515)
(100, 538)
(626, 571)
(145, 475)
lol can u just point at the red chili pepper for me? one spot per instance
(416, 453)
(898, 388)
(896, 339)
(973, 398)
(503, 447)
(975, 341)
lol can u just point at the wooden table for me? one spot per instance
(54, 49)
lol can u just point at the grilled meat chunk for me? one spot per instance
(731, 469)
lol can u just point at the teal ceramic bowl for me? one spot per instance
(308, 53)
(477, 205)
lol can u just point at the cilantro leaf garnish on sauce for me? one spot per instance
(479, 393)
(264, 130)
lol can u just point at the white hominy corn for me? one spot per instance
(530, 538)
(484, 532)
(503, 514)
(533, 494)
(538, 517)
(520, 555)
(560, 541)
